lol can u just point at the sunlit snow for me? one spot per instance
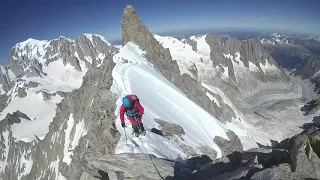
(171, 105)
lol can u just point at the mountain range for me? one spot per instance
(205, 96)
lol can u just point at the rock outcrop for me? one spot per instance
(295, 158)
(79, 127)
(169, 129)
(15, 117)
(135, 31)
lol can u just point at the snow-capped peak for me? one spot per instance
(31, 43)
(277, 35)
(2, 69)
(90, 37)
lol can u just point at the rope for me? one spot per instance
(154, 165)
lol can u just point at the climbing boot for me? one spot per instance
(143, 133)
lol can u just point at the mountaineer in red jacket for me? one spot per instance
(134, 111)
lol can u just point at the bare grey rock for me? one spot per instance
(87, 176)
(305, 162)
(119, 164)
(169, 129)
(3, 101)
(21, 115)
(133, 30)
(32, 84)
(231, 146)
(61, 94)
(4, 78)
(96, 120)
(210, 152)
(12, 119)
(192, 43)
(46, 96)
(282, 171)
(21, 92)
(240, 173)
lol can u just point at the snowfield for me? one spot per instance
(186, 57)
(39, 111)
(59, 77)
(163, 100)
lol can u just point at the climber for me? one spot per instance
(134, 111)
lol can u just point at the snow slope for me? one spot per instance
(163, 100)
(186, 57)
(41, 112)
(59, 77)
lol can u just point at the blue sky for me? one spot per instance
(45, 20)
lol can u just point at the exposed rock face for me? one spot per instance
(21, 115)
(28, 58)
(281, 171)
(192, 43)
(295, 158)
(305, 162)
(32, 84)
(228, 147)
(77, 122)
(46, 96)
(309, 67)
(134, 30)
(21, 92)
(5, 80)
(290, 51)
(169, 129)
(229, 53)
(15, 117)
(141, 168)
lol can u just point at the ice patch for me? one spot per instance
(2, 92)
(3, 70)
(213, 99)
(268, 67)
(11, 75)
(88, 59)
(67, 132)
(225, 72)
(118, 46)
(101, 56)
(69, 145)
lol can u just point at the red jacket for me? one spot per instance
(136, 107)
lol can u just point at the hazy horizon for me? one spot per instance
(48, 20)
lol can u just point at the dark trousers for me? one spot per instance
(136, 128)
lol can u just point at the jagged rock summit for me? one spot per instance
(133, 30)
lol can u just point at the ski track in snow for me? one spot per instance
(161, 100)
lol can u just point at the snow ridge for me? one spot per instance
(170, 100)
